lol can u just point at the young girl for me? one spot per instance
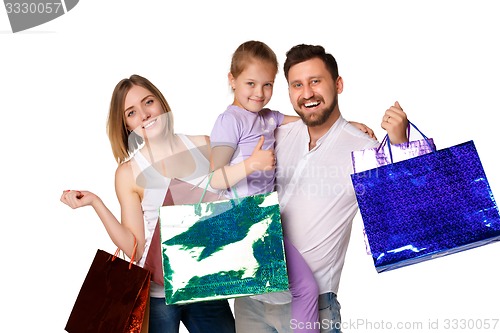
(242, 156)
(151, 160)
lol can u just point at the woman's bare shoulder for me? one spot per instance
(199, 140)
(124, 175)
(202, 142)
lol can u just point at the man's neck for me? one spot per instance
(317, 132)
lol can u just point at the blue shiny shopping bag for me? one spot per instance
(222, 249)
(427, 207)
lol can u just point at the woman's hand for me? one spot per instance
(77, 199)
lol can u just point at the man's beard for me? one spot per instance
(322, 117)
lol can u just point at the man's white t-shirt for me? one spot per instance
(317, 198)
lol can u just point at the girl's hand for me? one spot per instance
(261, 160)
(77, 199)
(364, 129)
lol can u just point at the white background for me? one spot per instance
(438, 58)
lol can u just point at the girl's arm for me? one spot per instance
(362, 127)
(226, 175)
(288, 119)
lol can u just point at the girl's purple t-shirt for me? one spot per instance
(241, 129)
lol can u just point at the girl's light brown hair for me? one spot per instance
(250, 51)
(124, 142)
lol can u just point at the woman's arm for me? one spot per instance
(122, 234)
(132, 216)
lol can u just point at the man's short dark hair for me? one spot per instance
(304, 52)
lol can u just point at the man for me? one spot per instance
(317, 198)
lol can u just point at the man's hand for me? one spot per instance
(395, 123)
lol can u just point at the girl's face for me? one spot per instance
(253, 88)
(142, 111)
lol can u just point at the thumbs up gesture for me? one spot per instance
(261, 159)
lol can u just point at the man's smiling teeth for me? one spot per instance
(311, 104)
(150, 124)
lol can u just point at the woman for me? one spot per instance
(150, 156)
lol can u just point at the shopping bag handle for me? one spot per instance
(233, 189)
(117, 252)
(387, 140)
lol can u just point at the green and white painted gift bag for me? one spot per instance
(222, 249)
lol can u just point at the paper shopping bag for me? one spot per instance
(427, 207)
(114, 297)
(387, 153)
(222, 249)
(178, 192)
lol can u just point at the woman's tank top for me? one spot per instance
(158, 191)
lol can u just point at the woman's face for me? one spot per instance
(142, 111)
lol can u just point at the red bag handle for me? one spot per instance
(117, 252)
